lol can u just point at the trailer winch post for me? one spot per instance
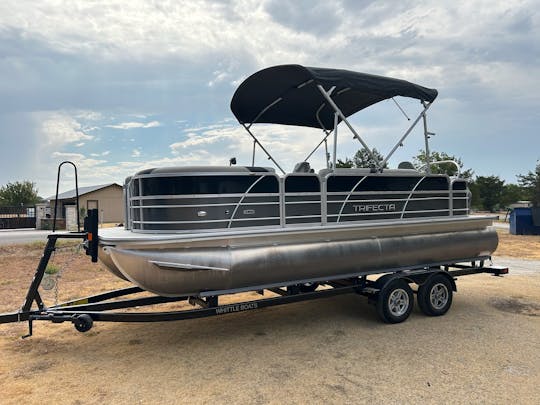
(33, 294)
(91, 229)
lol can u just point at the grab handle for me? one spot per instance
(76, 194)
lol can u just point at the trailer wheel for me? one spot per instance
(83, 323)
(435, 295)
(395, 301)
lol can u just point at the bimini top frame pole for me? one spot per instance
(427, 134)
(327, 133)
(326, 95)
(400, 142)
(256, 141)
(324, 140)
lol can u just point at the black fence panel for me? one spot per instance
(17, 217)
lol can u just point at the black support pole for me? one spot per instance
(91, 228)
(38, 275)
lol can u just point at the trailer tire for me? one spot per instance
(435, 295)
(395, 301)
(83, 323)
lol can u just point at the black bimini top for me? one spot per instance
(290, 95)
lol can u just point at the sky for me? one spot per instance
(118, 86)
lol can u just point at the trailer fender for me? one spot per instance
(422, 279)
(381, 282)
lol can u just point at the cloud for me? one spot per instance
(88, 115)
(219, 77)
(60, 129)
(207, 136)
(79, 73)
(136, 153)
(78, 158)
(316, 17)
(288, 145)
(131, 125)
(105, 153)
(141, 28)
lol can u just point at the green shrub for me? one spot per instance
(52, 269)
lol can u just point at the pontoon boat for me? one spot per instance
(218, 229)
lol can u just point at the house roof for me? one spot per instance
(82, 191)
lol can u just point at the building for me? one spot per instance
(107, 198)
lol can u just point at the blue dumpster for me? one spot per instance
(521, 222)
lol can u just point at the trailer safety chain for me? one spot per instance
(74, 250)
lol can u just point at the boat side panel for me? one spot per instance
(199, 202)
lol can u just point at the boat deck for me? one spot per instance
(119, 235)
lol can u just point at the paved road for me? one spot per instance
(20, 236)
(502, 225)
(518, 266)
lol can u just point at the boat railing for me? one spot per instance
(297, 199)
(302, 199)
(242, 199)
(441, 162)
(195, 201)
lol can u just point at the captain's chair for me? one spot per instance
(302, 167)
(406, 165)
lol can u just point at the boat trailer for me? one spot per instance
(391, 293)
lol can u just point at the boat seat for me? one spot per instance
(302, 167)
(406, 165)
(324, 172)
(362, 172)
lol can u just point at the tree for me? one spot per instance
(476, 201)
(362, 159)
(450, 169)
(346, 164)
(512, 193)
(489, 189)
(531, 183)
(19, 193)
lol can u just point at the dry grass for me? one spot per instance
(485, 350)
(518, 246)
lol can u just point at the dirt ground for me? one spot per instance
(519, 246)
(333, 350)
